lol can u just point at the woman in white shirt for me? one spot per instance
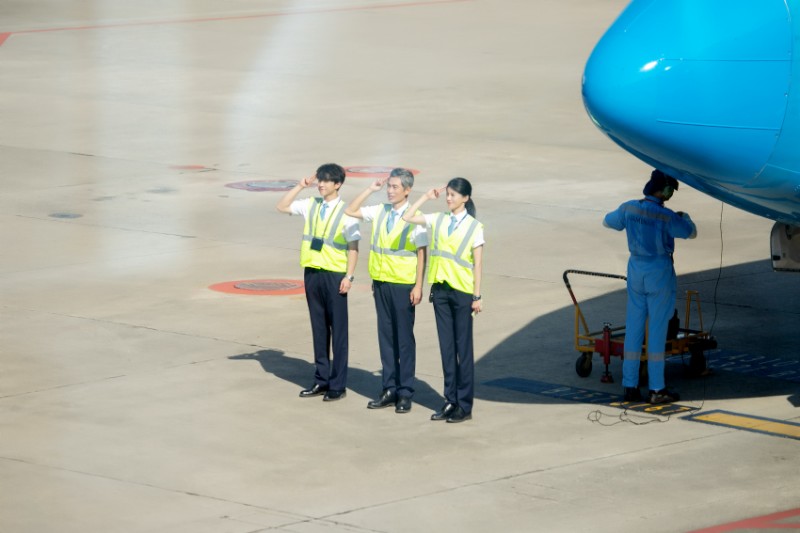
(456, 263)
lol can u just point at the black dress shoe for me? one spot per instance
(459, 415)
(316, 390)
(403, 405)
(333, 395)
(444, 413)
(389, 397)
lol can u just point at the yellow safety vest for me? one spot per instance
(393, 257)
(333, 255)
(451, 255)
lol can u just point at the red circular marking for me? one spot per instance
(188, 167)
(263, 185)
(372, 171)
(261, 287)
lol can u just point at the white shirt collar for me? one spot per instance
(460, 216)
(401, 210)
(333, 202)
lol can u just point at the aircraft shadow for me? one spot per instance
(301, 373)
(748, 308)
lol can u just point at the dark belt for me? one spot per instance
(315, 270)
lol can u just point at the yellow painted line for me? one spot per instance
(750, 423)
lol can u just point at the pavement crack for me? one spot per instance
(297, 518)
(513, 476)
(64, 386)
(118, 228)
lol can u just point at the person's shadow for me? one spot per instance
(301, 373)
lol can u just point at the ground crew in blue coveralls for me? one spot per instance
(651, 229)
(397, 266)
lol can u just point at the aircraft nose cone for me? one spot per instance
(619, 81)
(697, 86)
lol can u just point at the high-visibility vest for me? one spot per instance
(333, 255)
(451, 255)
(393, 257)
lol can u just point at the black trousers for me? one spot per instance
(453, 311)
(329, 325)
(396, 341)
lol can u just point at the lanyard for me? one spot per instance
(327, 222)
(458, 222)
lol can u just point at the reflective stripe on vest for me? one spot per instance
(392, 263)
(463, 246)
(401, 251)
(333, 255)
(312, 226)
(449, 267)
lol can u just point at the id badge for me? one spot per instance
(316, 244)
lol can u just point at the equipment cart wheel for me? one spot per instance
(583, 365)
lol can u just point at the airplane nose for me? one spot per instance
(699, 86)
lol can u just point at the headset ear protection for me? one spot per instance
(659, 182)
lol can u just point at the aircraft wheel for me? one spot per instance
(583, 365)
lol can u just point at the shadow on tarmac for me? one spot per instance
(748, 308)
(301, 373)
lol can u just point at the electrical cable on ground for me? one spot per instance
(716, 286)
(597, 416)
(719, 271)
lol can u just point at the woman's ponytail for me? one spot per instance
(470, 207)
(464, 188)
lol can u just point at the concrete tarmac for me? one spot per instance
(135, 399)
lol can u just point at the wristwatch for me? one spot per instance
(476, 298)
(351, 279)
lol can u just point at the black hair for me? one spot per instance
(658, 181)
(331, 172)
(464, 188)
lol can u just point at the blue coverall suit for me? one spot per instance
(651, 229)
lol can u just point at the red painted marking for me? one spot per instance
(187, 167)
(770, 521)
(230, 287)
(263, 185)
(372, 171)
(4, 36)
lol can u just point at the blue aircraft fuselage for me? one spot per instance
(709, 92)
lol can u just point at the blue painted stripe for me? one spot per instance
(562, 392)
(554, 391)
(750, 364)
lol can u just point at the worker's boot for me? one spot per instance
(663, 396)
(632, 394)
